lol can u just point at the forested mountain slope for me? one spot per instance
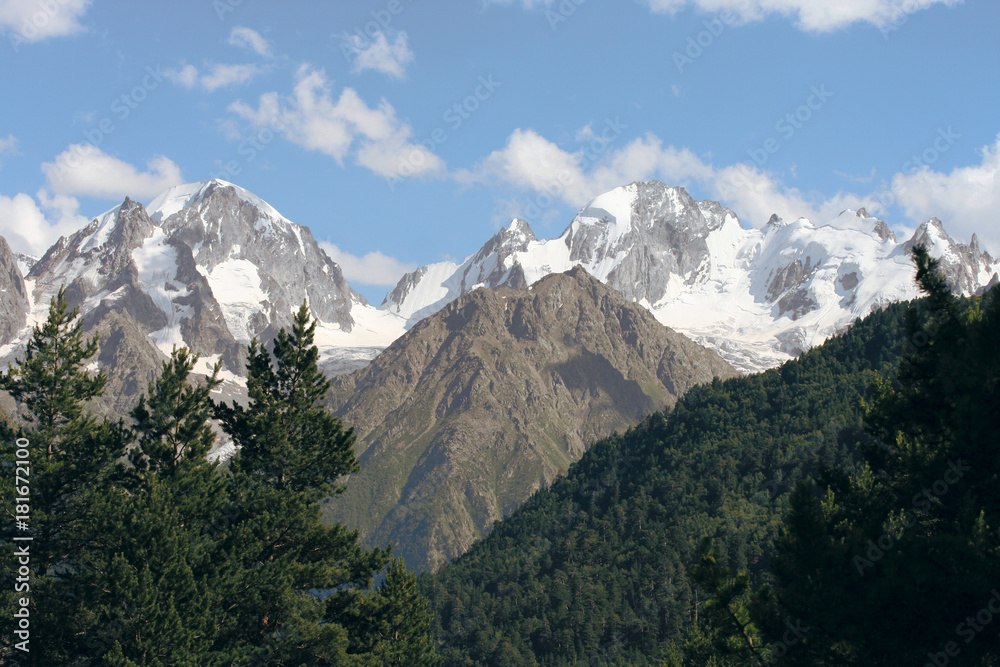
(597, 566)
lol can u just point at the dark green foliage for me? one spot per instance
(159, 557)
(892, 565)
(71, 459)
(597, 567)
(288, 439)
(51, 383)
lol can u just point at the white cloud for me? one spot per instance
(186, 76)
(32, 227)
(533, 163)
(348, 126)
(28, 21)
(755, 195)
(219, 76)
(809, 15)
(530, 161)
(967, 200)
(374, 268)
(84, 169)
(380, 55)
(228, 75)
(8, 145)
(251, 39)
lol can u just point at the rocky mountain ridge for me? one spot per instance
(489, 399)
(757, 296)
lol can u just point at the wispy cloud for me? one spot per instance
(251, 39)
(380, 54)
(809, 15)
(217, 76)
(9, 146)
(347, 126)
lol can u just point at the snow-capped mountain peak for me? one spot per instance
(757, 296)
(186, 195)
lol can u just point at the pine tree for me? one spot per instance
(72, 457)
(724, 635)
(894, 564)
(288, 439)
(292, 452)
(391, 625)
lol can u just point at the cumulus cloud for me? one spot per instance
(756, 195)
(84, 169)
(809, 15)
(8, 145)
(28, 21)
(340, 128)
(374, 268)
(218, 76)
(250, 39)
(31, 226)
(967, 199)
(532, 163)
(380, 54)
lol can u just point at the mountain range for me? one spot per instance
(467, 400)
(757, 296)
(211, 265)
(493, 397)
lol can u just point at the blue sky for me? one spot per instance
(404, 132)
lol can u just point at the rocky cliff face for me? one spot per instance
(125, 263)
(209, 266)
(13, 295)
(481, 404)
(429, 288)
(757, 296)
(261, 266)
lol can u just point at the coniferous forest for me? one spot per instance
(145, 553)
(842, 509)
(839, 510)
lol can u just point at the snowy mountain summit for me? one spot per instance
(757, 296)
(209, 266)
